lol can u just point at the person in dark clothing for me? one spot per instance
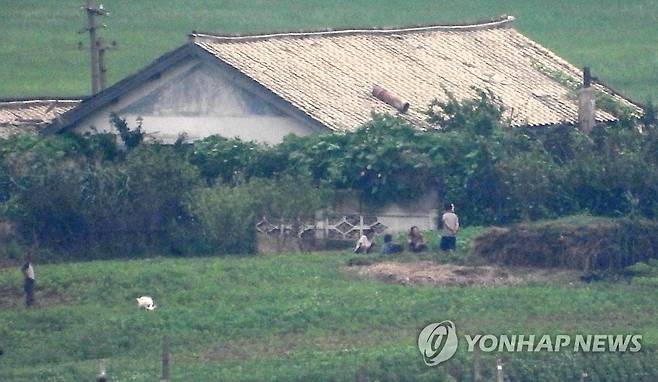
(416, 240)
(389, 247)
(29, 281)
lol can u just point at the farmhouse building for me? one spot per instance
(263, 87)
(20, 115)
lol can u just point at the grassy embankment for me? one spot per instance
(297, 317)
(39, 54)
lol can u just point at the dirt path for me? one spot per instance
(429, 273)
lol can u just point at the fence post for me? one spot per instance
(356, 366)
(326, 227)
(360, 225)
(102, 373)
(499, 370)
(165, 359)
(477, 375)
(431, 219)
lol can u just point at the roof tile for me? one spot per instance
(30, 115)
(329, 76)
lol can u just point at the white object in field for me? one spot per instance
(146, 302)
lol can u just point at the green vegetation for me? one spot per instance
(299, 318)
(40, 55)
(84, 197)
(307, 317)
(79, 194)
(603, 100)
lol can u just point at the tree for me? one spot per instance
(480, 115)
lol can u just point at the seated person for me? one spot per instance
(389, 246)
(365, 243)
(416, 240)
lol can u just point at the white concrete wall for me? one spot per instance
(400, 217)
(422, 213)
(199, 100)
(263, 129)
(403, 222)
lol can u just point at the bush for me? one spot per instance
(534, 188)
(94, 205)
(224, 221)
(385, 160)
(157, 182)
(226, 160)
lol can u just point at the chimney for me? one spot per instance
(390, 98)
(586, 103)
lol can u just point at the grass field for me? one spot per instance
(39, 55)
(296, 318)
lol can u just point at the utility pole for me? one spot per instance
(96, 45)
(102, 371)
(102, 68)
(500, 377)
(166, 357)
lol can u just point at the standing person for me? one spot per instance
(416, 240)
(29, 281)
(450, 228)
(365, 243)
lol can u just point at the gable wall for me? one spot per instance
(199, 100)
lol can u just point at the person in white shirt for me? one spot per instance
(29, 281)
(450, 228)
(365, 243)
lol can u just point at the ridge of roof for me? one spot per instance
(501, 22)
(46, 99)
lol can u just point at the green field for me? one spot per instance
(39, 55)
(296, 318)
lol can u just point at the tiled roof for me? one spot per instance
(30, 115)
(330, 75)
